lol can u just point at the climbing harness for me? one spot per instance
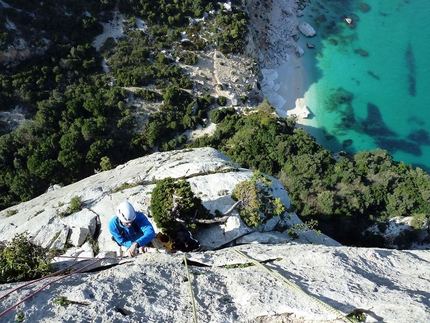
(191, 288)
(294, 286)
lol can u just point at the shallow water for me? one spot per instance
(369, 85)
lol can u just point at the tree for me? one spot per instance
(174, 205)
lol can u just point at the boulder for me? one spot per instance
(306, 29)
(217, 236)
(85, 218)
(52, 236)
(78, 236)
(299, 51)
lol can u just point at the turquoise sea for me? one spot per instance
(368, 84)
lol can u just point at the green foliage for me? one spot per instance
(94, 244)
(302, 227)
(105, 163)
(125, 186)
(418, 221)
(21, 260)
(222, 100)
(235, 266)
(148, 95)
(63, 301)
(19, 316)
(171, 200)
(188, 58)
(79, 116)
(345, 196)
(10, 213)
(234, 26)
(258, 203)
(217, 115)
(75, 205)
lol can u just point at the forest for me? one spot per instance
(78, 119)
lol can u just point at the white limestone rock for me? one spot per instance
(265, 238)
(388, 285)
(306, 29)
(216, 236)
(83, 219)
(52, 236)
(78, 236)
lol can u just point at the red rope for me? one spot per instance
(39, 279)
(46, 285)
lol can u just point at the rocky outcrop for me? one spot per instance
(308, 279)
(212, 177)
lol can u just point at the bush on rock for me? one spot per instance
(21, 260)
(174, 205)
(258, 203)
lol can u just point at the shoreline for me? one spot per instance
(284, 66)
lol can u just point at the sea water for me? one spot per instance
(368, 84)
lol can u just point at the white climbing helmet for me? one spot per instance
(126, 212)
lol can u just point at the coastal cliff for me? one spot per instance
(326, 281)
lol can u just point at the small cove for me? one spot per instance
(368, 84)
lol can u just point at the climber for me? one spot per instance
(131, 229)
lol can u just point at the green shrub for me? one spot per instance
(10, 213)
(21, 260)
(218, 115)
(418, 220)
(258, 203)
(173, 200)
(63, 301)
(75, 205)
(188, 58)
(222, 101)
(105, 163)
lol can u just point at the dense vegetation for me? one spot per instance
(345, 196)
(81, 121)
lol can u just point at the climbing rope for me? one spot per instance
(45, 285)
(39, 279)
(294, 286)
(191, 288)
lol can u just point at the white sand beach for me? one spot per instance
(283, 59)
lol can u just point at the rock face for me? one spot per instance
(306, 29)
(323, 283)
(212, 177)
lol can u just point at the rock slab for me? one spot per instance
(386, 285)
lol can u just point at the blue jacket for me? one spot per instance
(142, 236)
